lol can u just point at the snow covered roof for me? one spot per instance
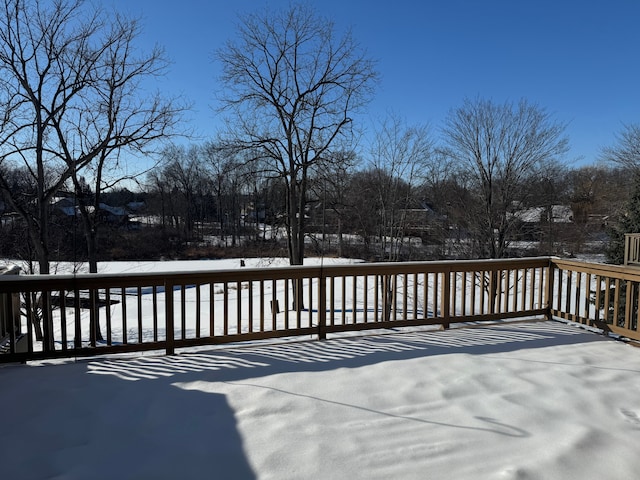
(559, 214)
(116, 211)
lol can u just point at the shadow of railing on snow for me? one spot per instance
(232, 363)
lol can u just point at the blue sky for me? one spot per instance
(577, 59)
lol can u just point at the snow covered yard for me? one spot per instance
(528, 400)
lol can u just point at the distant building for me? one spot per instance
(535, 221)
(556, 214)
(67, 206)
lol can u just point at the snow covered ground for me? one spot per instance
(529, 400)
(517, 401)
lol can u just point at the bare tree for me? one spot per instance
(438, 192)
(330, 189)
(68, 79)
(495, 148)
(291, 86)
(225, 172)
(181, 174)
(69, 85)
(44, 65)
(626, 152)
(549, 192)
(400, 157)
(121, 117)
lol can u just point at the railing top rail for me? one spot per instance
(604, 269)
(92, 280)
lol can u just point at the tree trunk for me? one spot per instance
(90, 229)
(387, 289)
(340, 239)
(35, 317)
(295, 240)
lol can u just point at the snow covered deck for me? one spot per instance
(521, 400)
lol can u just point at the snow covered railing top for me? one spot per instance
(89, 314)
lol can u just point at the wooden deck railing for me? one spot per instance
(79, 315)
(91, 314)
(632, 249)
(10, 325)
(604, 296)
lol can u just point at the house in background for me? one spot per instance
(536, 221)
(66, 206)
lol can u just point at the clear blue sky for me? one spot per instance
(577, 59)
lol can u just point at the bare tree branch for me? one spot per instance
(73, 100)
(291, 86)
(496, 148)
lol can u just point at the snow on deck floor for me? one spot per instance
(531, 400)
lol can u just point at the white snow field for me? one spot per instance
(528, 400)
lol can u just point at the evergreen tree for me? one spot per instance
(629, 223)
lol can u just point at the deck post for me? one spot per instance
(445, 298)
(168, 309)
(548, 289)
(322, 307)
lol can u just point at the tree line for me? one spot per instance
(200, 201)
(292, 170)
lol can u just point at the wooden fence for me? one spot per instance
(599, 295)
(632, 249)
(91, 314)
(52, 316)
(11, 337)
